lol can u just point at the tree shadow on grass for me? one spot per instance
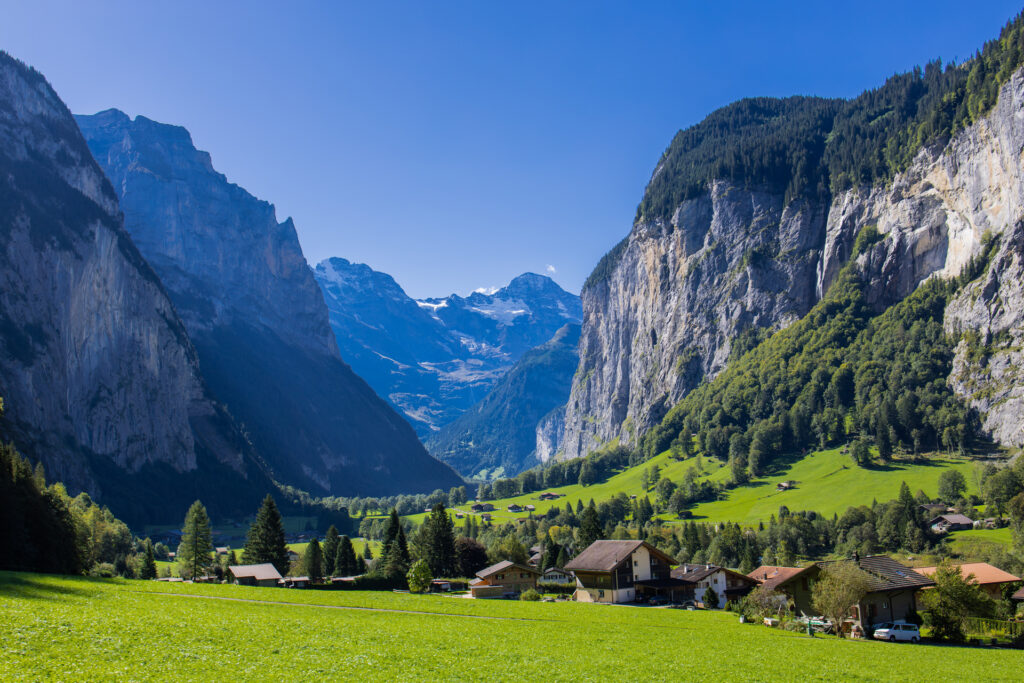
(37, 587)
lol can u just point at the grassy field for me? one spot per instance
(81, 629)
(974, 543)
(827, 481)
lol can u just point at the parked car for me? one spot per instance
(898, 631)
(658, 600)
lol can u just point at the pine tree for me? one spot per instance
(550, 556)
(265, 541)
(391, 532)
(590, 527)
(147, 568)
(330, 550)
(367, 553)
(437, 542)
(563, 557)
(313, 561)
(196, 541)
(347, 564)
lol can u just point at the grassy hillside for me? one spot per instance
(827, 482)
(81, 629)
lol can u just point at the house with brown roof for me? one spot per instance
(724, 583)
(892, 593)
(548, 495)
(503, 577)
(950, 522)
(793, 582)
(254, 575)
(625, 571)
(991, 579)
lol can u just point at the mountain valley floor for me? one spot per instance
(63, 628)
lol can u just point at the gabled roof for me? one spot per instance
(605, 556)
(953, 518)
(696, 572)
(260, 572)
(1019, 595)
(504, 564)
(984, 573)
(773, 577)
(886, 574)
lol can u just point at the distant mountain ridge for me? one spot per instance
(434, 358)
(241, 284)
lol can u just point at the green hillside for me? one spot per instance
(98, 630)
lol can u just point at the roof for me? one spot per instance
(260, 572)
(1019, 595)
(605, 556)
(551, 570)
(504, 564)
(773, 577)
(954, 519)
(886, 574)
(696, 572)
(984, 573)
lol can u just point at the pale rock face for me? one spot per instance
(663, 320)
(550, 434)
(95, 364)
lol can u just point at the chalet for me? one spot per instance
(785, 486)
(1019, 595)
(793, 582)
(292, 555)
(254, 575)
(950, 522)
(892, 593)
(482, 507)
(504, 577)
(222, 550)
(529, 508)
(625, 571)
(295, 582)
(933, 509)
(536, 559)
(515, 508)
(991, 579)
(556, 575)
(726, 584)
(548, 495)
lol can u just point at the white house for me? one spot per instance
(622, 571)
(726, 584)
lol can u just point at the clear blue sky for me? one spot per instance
(458, 144)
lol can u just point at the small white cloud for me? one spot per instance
(551, 269)
(486, 290)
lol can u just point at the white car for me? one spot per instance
(898, 631)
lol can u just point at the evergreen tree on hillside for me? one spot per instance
(196, 542)
(347, 564)
(331, 550)
(147, 568)
(550, 556)
(437, 542)
(590, 527)
(313, 561)
(367, 553)
(265, 541)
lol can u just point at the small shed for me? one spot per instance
(254, 575)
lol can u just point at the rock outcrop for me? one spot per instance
(435, 358)
(680, 293)
(256, 315)
(100, 380)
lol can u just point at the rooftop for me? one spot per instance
(260, 572)
(887, 574)
(773, 576)
(984, 573)
(504, 564)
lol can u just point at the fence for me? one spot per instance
(976, 626)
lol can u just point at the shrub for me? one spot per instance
(530, 596)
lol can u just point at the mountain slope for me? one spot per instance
(254, 311)
(497, 436)
(751, 215)
(98, 375)
(435, 358)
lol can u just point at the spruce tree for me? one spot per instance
(437, 542)
(330, 550)
(563, 558)
(367, 553)
(147, 568)
(196, 541)
(590, 527)
(347, 564)
(391, 531)
(550, 556)
(313, 561)
(265, 541)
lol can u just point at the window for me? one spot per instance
(600, 594)
(636, 563)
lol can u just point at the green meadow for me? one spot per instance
(60, 628)
(826, 481)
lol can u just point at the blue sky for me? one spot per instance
(455, 145)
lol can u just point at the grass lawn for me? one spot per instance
(975, 542)
(87, 629)
(827, 482)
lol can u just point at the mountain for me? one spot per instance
(433, 359)
(99, 378)
(240, 282)
(754, 215)
(498, 436)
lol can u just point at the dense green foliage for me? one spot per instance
(954, 598)
(837, 373)
(265, 539)
(313, 561)
(196, 543)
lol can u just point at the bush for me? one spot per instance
(530, 596)
(103, 570)
(419, 577)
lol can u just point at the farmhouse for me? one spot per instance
(556, 575)
(548, 495)
(951, 522)
(893, 591)
(991, 579)
(501, 578)
(482, 507)
(625, 571)
(793, 582)
(254, 575)
(725, 583)
(515, 508)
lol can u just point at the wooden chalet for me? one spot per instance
(254, 575)
(793, 582)
(625, 571)
(726, 583)
(503, 577)
(892, 595)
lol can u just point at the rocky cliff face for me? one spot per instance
(99, 378)
(682, 292)
(256, 316)
(433, 359)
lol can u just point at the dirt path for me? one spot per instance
(348, 607)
